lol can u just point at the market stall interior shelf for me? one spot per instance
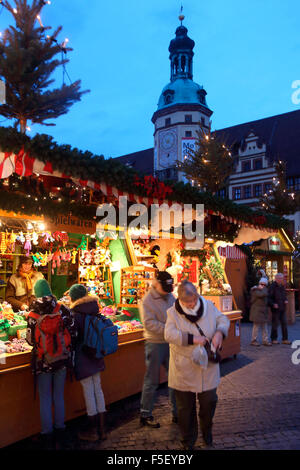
(7, 268)
(135, 282)
(95, 273)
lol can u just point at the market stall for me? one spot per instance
(274, 255)
(52, 216)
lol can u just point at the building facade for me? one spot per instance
(256, 145)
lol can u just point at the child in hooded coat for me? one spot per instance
(88, 368)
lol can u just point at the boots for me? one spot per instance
(89, 431)
(101, 426)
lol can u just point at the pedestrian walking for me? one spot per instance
(192, 322)
(259, 312)
(87, 367)
(51, 332)
(278, 302)
(154, 316)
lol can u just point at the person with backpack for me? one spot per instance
(51, 331)
(87, 366)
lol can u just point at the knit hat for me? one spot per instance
(77, 291)
(264, 280)
(41, 288)
(165, 280)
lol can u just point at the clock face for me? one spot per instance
(168, 140)
(167, 159)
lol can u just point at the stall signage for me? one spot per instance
(187, 145)
(70, 224)
(274, 244)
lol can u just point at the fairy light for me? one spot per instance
(40, 21)
(64, 44)
(15, 10)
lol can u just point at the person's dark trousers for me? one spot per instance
(187, 413)
(156, 354)
(279, 316)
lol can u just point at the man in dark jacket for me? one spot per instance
(154, 316)
(87, 367)
(277, 302)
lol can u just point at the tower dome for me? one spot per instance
(181, 90)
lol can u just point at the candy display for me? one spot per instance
(17, 346)
(128, 326)
(6, 311)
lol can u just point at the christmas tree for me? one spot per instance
(279, 199)
(210, 164)
(28, 58)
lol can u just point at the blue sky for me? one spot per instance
(247, 55)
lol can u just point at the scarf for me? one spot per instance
(191, 311)
(192, 315)
(27, 278)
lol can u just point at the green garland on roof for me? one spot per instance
(34, 206)
(87, 166)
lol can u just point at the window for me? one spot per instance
(188, 118)
(188, 133)
(222, 193)
(247, 192)
(257, 164)
(167, 121)
(246, 166)
(297, 183)
(267, 187)
(236, 193)
(257, 190)
(290, 182)
(202, 121)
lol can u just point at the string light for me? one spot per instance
(40, 21)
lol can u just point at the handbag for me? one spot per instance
(212, 356)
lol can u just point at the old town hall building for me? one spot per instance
(256, 145)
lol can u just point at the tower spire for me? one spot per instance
(181, 52)
(181, 15)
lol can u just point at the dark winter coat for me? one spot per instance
(277, 295)
(85, 366)
(46, 306)
(259, 305)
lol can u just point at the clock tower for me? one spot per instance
(181, 109)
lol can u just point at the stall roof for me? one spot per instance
(41, 156)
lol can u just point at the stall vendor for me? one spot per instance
(19, 290)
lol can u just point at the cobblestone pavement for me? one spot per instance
(258, 407)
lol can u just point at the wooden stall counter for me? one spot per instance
(19, 410)
(123, 377)
(232, 344)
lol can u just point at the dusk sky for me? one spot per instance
(247, 55)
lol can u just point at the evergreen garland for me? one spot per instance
(86, 166)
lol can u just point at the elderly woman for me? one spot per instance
(190, 373)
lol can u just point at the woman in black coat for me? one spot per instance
(87, 367)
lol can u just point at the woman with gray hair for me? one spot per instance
(193, 321)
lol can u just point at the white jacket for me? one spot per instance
(184, 374)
